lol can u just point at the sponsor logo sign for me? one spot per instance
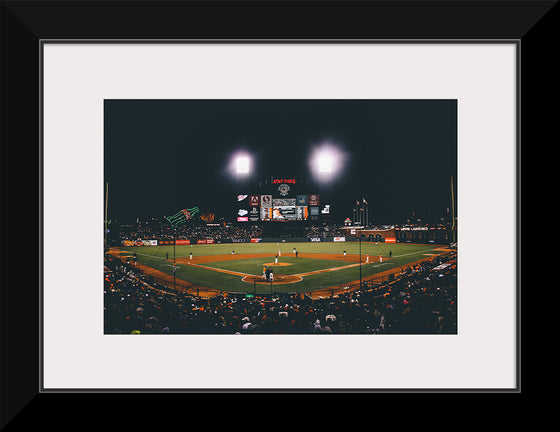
(279, 181)
(254, 200)
(254, 214)
(313, 200)
(182, 242)
(284, 202)
(339, 239)
(266, 200)
(284, 189)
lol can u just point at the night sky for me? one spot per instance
(165, 155)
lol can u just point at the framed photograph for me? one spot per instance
(179, 170)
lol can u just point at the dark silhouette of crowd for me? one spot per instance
(160, 229)
(420, 300)
(324, 231)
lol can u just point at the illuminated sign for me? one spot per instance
(278, 181)
(313, 200)
(284, 189)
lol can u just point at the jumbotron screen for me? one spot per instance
(281, 204)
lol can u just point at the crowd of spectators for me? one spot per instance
(161, 230)
(421, 300)
(324, 231)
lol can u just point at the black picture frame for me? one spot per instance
(25, 24)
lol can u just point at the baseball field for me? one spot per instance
(238, 267)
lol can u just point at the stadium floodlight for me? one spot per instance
(241, 164)
(326, 162)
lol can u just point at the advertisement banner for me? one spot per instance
(339, 239)
(266, 201)
(242, 218)
(254, 214)
(205, 241)
(313, 200)
(256, 240)
(301, 213)
(266, 213)
(315, 239)
(254, 200)
(390, 240)
(139, 243)
(182, 242)
(284, 202)
(301, 200)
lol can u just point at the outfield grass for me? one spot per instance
(402, 254)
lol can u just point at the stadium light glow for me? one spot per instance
(241, 164)
(326, 162)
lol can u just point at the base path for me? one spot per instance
(352, 260)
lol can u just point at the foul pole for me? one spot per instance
(452, 211)
(106, 201)
(179, 218)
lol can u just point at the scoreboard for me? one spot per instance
(282, 202)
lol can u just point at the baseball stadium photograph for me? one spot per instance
(280, 216)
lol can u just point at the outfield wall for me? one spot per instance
(340, 239)
(429, 236)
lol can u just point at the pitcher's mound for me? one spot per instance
(278, 279)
